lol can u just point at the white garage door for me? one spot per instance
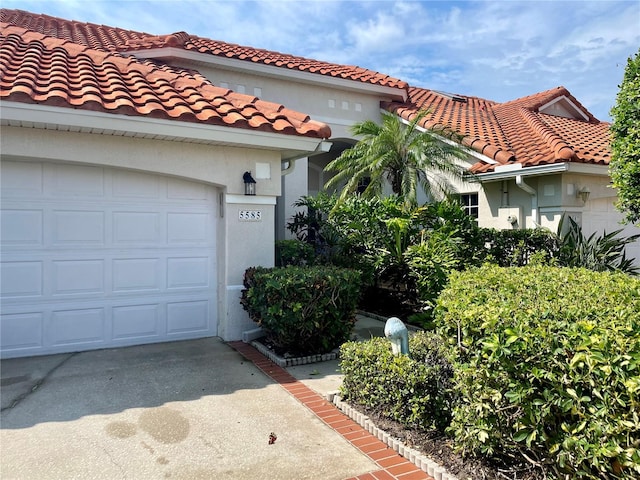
(96, 257)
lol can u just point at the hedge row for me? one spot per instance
(548, 366)
(302, 309)
(413, 390)
(537, 363)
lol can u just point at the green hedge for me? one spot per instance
(548, 367)
(413, 391)
(303, 310)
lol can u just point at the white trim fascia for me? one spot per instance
(124, 125)
(250, 199)
(269, 71)
(334, 121)
(588, 169)
(523, 172)
(558, 99)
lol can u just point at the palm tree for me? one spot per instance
(403, 155)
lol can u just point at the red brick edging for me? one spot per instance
(392, 465)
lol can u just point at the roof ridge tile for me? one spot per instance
(561, 148)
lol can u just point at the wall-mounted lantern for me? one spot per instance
(249, 184)
(583, 194)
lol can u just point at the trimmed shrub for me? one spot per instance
(303, 310)
(547, 367)
(294, 252)
(412, 390)
(517, 248)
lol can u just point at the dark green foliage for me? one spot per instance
(548, 367)
(599, 253)
(303, 310)
(625, 146)
(516, 248)
(413, 391)
(409, 252)
(294, 252)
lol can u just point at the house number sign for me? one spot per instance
(250, 216)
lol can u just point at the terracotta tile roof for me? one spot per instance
(514, 131)
(100, 37)
(52, 71)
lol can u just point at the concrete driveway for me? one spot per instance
(183, 410)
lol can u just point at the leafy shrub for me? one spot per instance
(625, 142)
(412, 390)
(302, 310)
(517, 248)
(548, 367)
(430, 262)
(294, 252)
(599, 253)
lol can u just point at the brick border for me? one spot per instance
(392, 465)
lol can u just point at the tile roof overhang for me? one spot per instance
(513, 137)
(191, 47)
(75, 80)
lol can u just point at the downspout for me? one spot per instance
(534, 199)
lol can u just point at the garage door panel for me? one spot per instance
(22, 331)
(20, 279)
(188, 272)
(79, 326)
(185, 317)
(178, 189)
(74, 227)
(136, 227)
(77, 181)
(21, 228)
(134, 274)
(136, 322)
(127, 184)
(78, 277)
(187, 228)
(21, 179)
(123, 258)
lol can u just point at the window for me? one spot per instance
(363, 183)
(469, 203)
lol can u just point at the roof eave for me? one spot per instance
(469, 151)
(61, 118)
(507, 172)
(167, 53)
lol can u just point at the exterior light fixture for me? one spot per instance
(583, 194)
(249, 184)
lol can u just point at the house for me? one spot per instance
(534, 158)
(124, 218)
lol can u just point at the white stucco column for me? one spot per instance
(250, 235)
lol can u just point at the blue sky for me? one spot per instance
(499, 50)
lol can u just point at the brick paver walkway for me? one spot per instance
(392, 465)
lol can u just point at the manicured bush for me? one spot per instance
(547, 367)
(303, 310)
(516, 248)
(294, 252)
(412, 390)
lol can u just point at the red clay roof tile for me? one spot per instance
(52, 71)
(81, 69)
(100, 37)
(513, 131)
